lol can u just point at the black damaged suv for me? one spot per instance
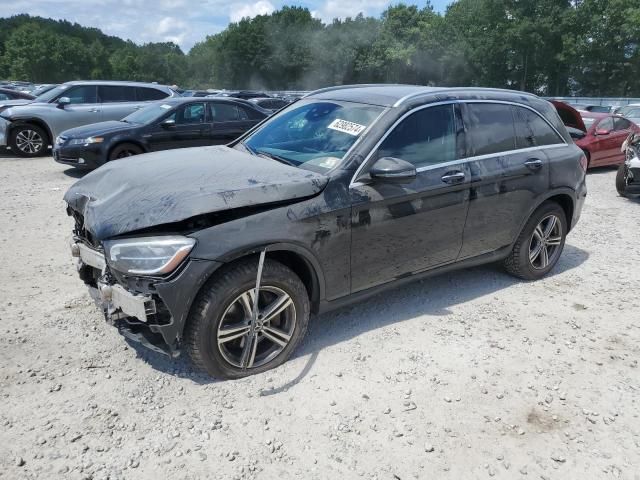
(225, 251)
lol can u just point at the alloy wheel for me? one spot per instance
(546, 241)
(29, 141)
(126, 153)
(249, 338)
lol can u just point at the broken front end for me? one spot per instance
(144, 285)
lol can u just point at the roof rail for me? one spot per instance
(357, 85)
(414, 95)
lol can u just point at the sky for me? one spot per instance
(184, 22)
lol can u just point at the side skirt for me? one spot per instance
(492, 257)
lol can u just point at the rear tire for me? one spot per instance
(28, 141)
(218, 328)
(621, 183)
(125, 150)
(540, 243)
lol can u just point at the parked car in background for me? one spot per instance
(195, 93)
(628, 175)
(599, 108)
(8, 94)
(43, 88)
(29, 129)
(175, 123)
(225, 251)
(270, 103)
(600, 135)
(244, 94)
(631, 112)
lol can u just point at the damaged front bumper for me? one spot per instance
(150, 311)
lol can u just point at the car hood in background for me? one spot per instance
(569, 115)
(5, 104)
(166, 187)
(100, 128)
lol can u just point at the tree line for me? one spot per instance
(549, 47)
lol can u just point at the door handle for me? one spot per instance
(94, 110)
(533, 164)
(453, 177)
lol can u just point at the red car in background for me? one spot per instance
(600, 135)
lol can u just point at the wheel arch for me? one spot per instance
(297, 258)
(119, 142)
(32, 121)
(565, 197)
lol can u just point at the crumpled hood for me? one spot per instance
(166, 187)
(100, 128)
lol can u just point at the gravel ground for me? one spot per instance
(468, 375)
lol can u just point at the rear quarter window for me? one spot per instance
(145, 94)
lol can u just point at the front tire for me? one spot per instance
(28, 141)
(125, 150)
(220, 335)
(621, 180)
(540, 243)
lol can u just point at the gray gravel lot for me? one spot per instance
(468, 375)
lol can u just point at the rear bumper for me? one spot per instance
(150, 311)
(581, 196)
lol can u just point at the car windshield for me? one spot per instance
(588, 121)
(313, 134)
(631, 111)
(51, 94)
(148, 114)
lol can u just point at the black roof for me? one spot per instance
(388, 95)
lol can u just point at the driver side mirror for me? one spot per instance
(602, 131)
(392, 170)
(168, 123)
(63, 101)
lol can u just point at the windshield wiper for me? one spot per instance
(277, 158)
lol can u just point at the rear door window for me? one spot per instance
(224, 112)
(251, 113)
(532, 130)
(116, 94)
(426, 137)
(82, 94)
(620, 123)
(144, 94)
(490, 129)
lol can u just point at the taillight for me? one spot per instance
(584, 162)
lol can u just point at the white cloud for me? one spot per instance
(331, 9)
(143, 21)
(243, 10)
(181, 21)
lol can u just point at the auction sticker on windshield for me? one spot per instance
(344, 126)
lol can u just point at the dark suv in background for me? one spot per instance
(225, 251)
(29, 129)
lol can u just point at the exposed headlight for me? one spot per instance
(86, 141)
(147, 255)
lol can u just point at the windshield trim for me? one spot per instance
(241, 140)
